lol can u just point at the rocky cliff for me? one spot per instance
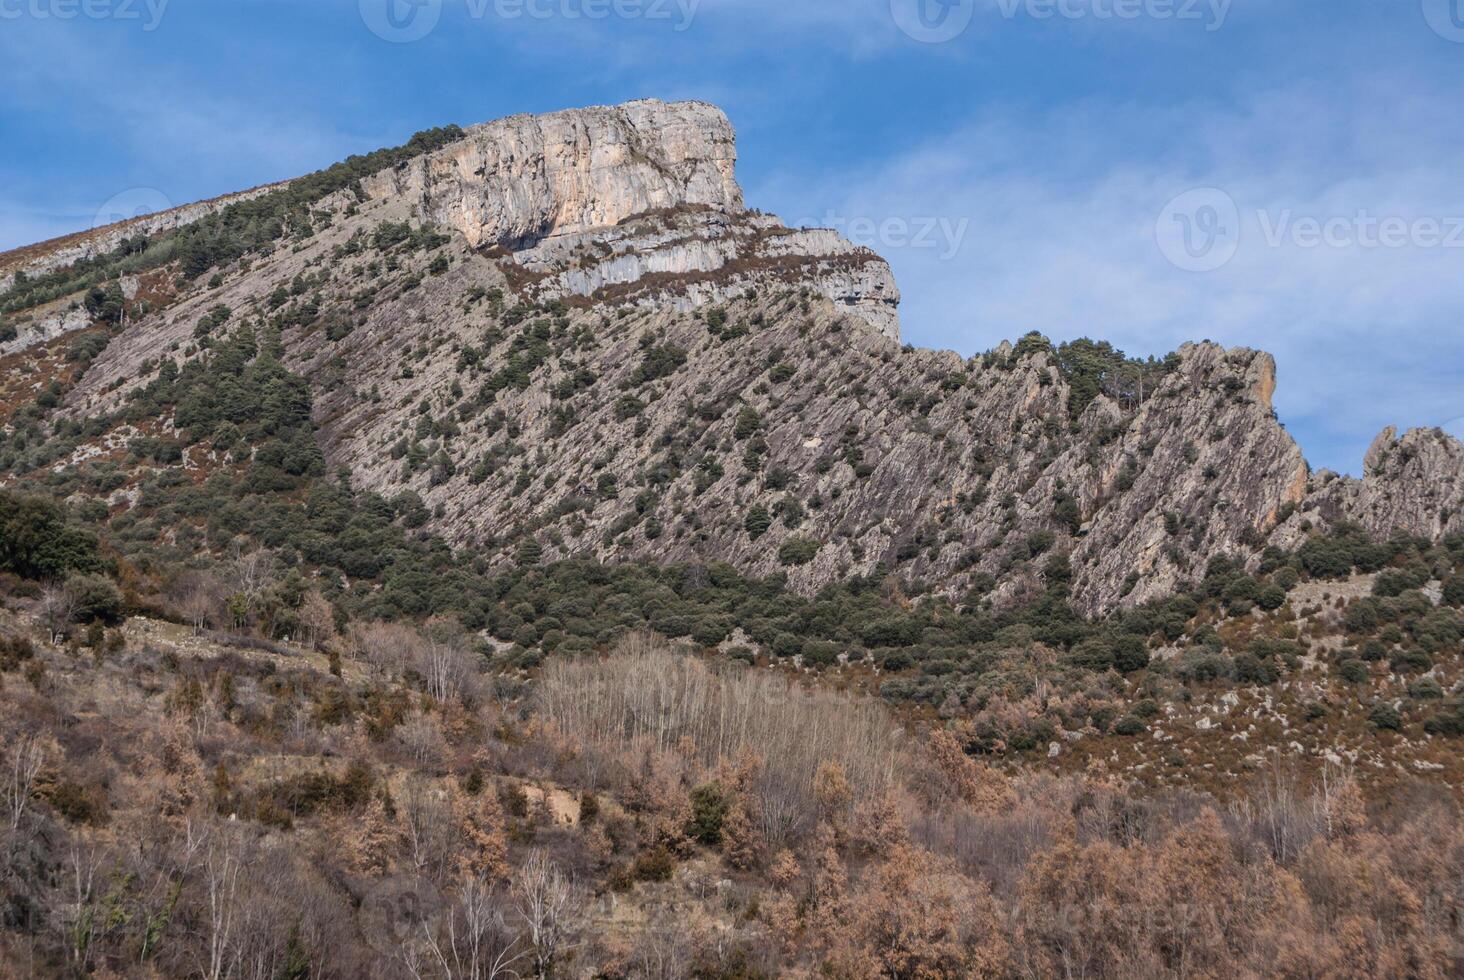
(606, 354)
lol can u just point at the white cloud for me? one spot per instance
(1062, 205)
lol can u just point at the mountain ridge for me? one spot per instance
(568, 329)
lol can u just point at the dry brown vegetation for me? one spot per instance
(178, 806)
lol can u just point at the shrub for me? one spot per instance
(1353, 671)
(1425, 689)
(1448, 720)
(97, 599)
(1250, 669)
(1385, 717)
(1410, 661)
(1272, 597)
(1129, 726)
(709, 806)
(757, 522)
(798, 551)
(1130, 654)
(655, 865)
(36, 541)
(748, 422)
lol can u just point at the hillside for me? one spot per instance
(568, 328)
(508, 554)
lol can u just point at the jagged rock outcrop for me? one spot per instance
(615, 358)
(1412, 485)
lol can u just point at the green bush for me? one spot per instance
(757, 522)
(1448, 720)
(97, 599)
(798, 551)
(1129, 726)
(1425, 689)
(38, 542)
(709, 806)
(1385, 717)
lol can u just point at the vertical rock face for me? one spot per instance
(518, 180)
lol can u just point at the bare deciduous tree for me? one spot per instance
(549, 908)
(647, 696)
(317, 620)
(471, 940)
(222, 864)
(58, 609)
(198, 595)
(27, 755)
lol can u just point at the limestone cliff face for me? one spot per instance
(519, 180)
(617, 359)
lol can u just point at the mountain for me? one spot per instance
(507, 554)
(569, 328)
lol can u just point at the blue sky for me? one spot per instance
(1281, 174)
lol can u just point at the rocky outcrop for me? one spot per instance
(1412, 485)
(690, 257)
(517, 181)
(39, 259)
(637, 202)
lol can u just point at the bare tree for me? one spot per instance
(427, 826)
(253, 573)
(548, 907)
(80, 917)
(198, 596)
(389, 647)
(222, 865)
(648, 696)
(445, 668)
(58, 609)
(317, 619)
(471, 941)
(26, 758)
